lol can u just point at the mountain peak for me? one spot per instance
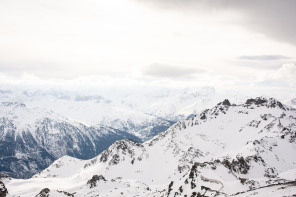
(120, 151)
(226, 102)
(256, 101)
(270, 103)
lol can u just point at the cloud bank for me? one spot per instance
(263, 57)
(271, 17)
(171, 71)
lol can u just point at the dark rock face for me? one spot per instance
(275, 103)
(170, 187)
(257, 101)
(192, 173)
(226, 102)
(43, 193)
(3, 190)
(203, 116)
(66, 193)
(46, 193)
(270, 103)
(122, 147)
(240, 165)
(93, 181)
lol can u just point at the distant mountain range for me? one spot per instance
(31, 139)
(96, 107)
(230, 149)
(40, 126)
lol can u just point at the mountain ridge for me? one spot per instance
(228, 150)
(31, 139)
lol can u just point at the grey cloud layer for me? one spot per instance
(264, 57)
(274, 18)
(170, 71)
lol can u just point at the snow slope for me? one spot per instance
(236, 150)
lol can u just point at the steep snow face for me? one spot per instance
(31, 139)
(226, 150)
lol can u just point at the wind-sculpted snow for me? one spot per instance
(228, 150)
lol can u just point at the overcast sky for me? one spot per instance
(228, 44)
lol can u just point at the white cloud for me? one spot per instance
(111, 42)
(286, 73)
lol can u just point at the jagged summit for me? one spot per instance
(221, 110)
(226, 102)
(222, 107)
(256, 101)
(122, 150)
(271, 102)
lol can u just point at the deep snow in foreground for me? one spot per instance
(239, 150)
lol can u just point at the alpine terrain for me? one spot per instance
(31, 139)
(91, 109)
(228, 150)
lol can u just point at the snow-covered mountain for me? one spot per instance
(92, 110)
(31, 139)
(228, 150)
